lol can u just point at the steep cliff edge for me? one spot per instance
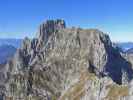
(66, 64)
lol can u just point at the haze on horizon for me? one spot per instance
(22, 18)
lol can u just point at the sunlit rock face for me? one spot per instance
(67, 64)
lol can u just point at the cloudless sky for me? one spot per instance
(20, 18)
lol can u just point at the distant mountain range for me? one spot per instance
(8, 48)
(129, 51)
(6, 52)
(125, 46)
(14, 42)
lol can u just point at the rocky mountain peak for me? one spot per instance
(66, 64)
(49, 27)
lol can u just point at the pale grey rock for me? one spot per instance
(60, 60)
(97, 90)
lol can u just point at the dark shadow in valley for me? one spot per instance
(117, 66)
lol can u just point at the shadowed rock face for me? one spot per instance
(60, 58)
(118, 67)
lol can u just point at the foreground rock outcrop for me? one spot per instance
(67, 64)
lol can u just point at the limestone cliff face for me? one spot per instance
(65, 64)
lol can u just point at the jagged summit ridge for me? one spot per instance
(49, 27)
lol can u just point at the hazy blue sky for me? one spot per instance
(20, 18)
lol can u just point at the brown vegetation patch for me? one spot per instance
(77, 90)
(117, 91)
